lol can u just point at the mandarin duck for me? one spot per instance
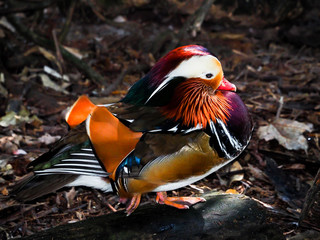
(178, 124)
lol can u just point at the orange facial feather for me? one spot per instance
(195, 102)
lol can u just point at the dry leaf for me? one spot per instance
(19, 152)
(47, 82)
(288, 133)
(48, 139)
(120, 19)
(8, 119)
(80, 215)
(54, 73)
(232, 191)
(228, 36)
(295, 166)
(236, 166)
(70, 196)
(10, 144)
(5, 192)
(4, 22)
(257, 173)
(12, 118)
(48, 55)
(75, 52)
(3, 90)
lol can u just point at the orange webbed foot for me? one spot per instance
(178, 202)
(134, 203)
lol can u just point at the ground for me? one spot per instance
(273, 61)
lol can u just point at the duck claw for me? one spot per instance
(178, 202)
(134, 203)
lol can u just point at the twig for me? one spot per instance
(122, 75)
(231, 173)
(44, 42)
(111, 207)
(197, 19)
(58, 52)
(21, 6)
(280, 107)
(310, 212)
(95, 10)
(65, 29)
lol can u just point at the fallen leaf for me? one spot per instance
(235, 167)
(80, 215)
(10, 144)
(120, 19)
(228, 36)
(2, 34)
(257, 173)
(54, 73)
(48, 55)
(74, 52)
(5, 191)
(8, 119)
(12, 118)
(295, 166)
(70, 196)
(47, 82)
(288, 133)
(4, 161)
(48, 139)
(232, 191)
(20, 152)
(73, 221)
(3, 90)
(4, 22)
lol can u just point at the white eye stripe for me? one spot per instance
(194, 67)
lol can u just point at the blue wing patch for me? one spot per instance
(129, 167)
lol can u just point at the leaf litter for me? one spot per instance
(289, 133)
(256, 55)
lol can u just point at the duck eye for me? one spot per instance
(209, 75)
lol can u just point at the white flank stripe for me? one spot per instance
(93, 182)
(74, 173)
(78, 165)
(91, 161)
(83, 154)
(71, 170)
(86, 149)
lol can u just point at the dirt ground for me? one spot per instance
(270, 52)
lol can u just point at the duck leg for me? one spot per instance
(177, 202)
(134, 203)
